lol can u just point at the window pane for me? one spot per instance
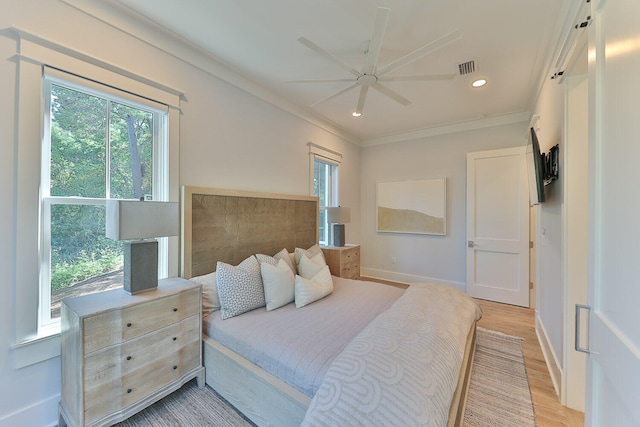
(78, 149)
(81, 255)
(320, 184)
(323, 232)
(131, 155)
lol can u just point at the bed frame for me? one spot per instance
(229, 226)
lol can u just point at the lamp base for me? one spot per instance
(338, 235)
(140, 266)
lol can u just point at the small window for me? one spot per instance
(325, 186)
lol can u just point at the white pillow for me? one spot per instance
(239, 287)
(311, 252)
(282, 255)
(278, 282)
(210, 299)
(310, 290)
(309, 267)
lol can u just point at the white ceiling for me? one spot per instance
(512, 42)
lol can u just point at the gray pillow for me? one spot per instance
(239, 287)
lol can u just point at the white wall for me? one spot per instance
(550, 291)
(228, 139)
(424, 257)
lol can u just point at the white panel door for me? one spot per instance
(498, 226)
(613, 367)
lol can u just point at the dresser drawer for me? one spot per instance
(343, 261)
(115, 326)
(122, 375)
(111, 363)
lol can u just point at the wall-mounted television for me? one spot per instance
(535, 168)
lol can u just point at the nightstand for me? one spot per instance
(121, 352)
(343, 261)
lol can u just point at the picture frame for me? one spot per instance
(412, 206)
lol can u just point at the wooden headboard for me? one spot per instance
(227, 225)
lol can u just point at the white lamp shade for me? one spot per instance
(133, 219)
(338, 215)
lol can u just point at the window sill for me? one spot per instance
(37, 349)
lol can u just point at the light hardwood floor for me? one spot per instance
(520, 321)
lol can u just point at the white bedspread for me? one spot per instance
(298, 345)
(402, 369)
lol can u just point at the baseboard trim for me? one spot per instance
(550, 358)
(42, 413)
(394, 276)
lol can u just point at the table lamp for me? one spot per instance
(338, 217)
(138, 223)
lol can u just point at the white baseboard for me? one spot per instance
(550, 358)
(43, 413)
(394, 276)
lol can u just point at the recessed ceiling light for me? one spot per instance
(356, 114)
(479, 83)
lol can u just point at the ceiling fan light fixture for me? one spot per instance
(479, 82)
(356, 114)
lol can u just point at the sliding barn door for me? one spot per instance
(613, 365)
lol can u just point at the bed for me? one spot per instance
(393, 356)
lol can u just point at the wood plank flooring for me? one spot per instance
(520, 321)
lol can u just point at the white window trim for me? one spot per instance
(325, 155)
(30, 344)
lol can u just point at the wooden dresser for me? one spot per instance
(121, 352)
(343, 261)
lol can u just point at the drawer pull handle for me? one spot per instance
(129, 390)
(128, 357)
(175, 338)
(129, 325)
(175, 367)
(175, 309)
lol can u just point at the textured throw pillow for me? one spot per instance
(287, 258)
(278, 282)
(273, 260)
(210, 299)
(310, 290)
(262, 258)
(239, 287)
(311, 252)
(309, 267)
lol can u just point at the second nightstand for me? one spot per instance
(343, 261)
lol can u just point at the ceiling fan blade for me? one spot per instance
(319, 81)
(421, 52)
(333, 95)
(379, 28)
(361, 98)
(311, 45)
(417, 77)
(391, 94)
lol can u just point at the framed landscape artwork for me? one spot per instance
(412, 206)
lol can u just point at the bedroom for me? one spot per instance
(218, 109)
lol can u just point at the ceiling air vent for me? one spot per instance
(467, 67)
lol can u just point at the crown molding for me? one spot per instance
(505, 119)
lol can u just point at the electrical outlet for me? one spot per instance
(393, 260)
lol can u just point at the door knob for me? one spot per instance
(471, 244)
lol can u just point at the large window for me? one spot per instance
(97, 145)
(325, 186)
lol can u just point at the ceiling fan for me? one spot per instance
(374, 77)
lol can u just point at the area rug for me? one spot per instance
(499, 394)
